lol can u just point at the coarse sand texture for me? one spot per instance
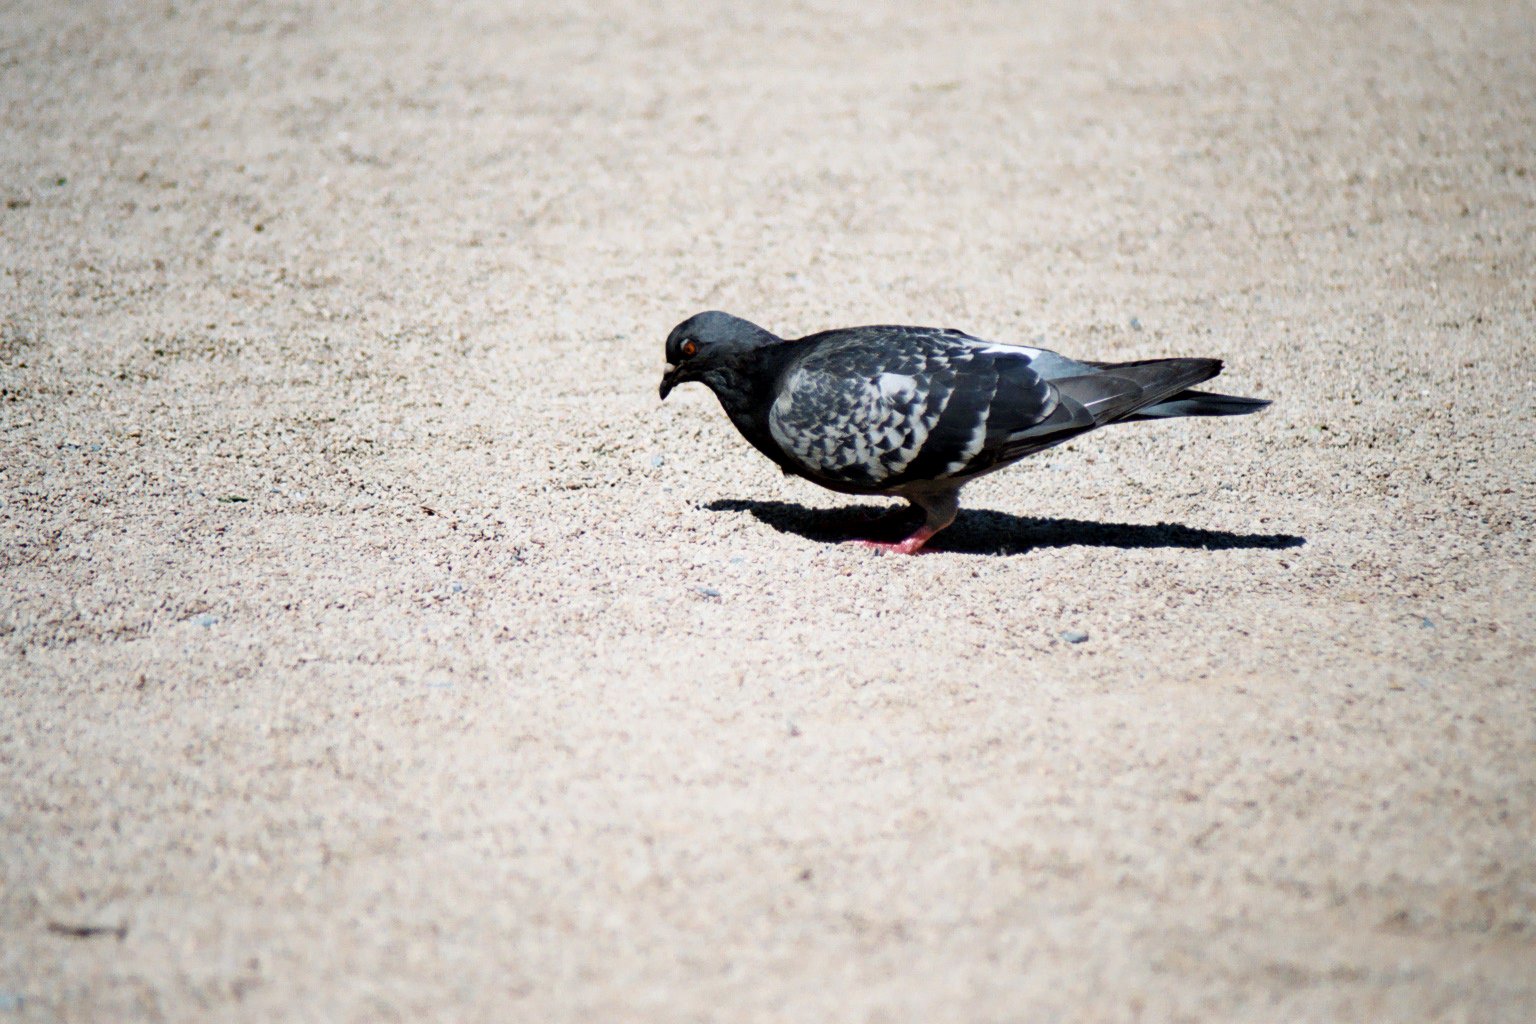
(375, 646)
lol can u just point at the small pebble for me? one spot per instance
(457, 588)
(1074, 636)
(1135, 323)
(205, 620)
(707, 591)
(1426, 623)
(656, 461)
(11, 1002)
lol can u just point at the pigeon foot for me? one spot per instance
(913, 545)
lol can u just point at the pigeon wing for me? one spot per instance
(1022, 412)
(858, 406)
(879, 407)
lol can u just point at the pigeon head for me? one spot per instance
(711, 348)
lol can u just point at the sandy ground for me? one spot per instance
(376, 646)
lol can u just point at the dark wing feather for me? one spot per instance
(1001, 411)
(1120, 389)
(954, 440)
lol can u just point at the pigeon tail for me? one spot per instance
(1117, 390)
(1199, 403)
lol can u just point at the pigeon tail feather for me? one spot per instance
(1199, 403)
(1120, 389)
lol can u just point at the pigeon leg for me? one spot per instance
(940, 509)
(913, 545)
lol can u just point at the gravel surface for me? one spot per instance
(375, 646)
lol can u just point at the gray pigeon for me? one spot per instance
(919, 412)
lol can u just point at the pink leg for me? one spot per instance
(939, 507)
(911, 546)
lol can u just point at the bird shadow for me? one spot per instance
(983, 532)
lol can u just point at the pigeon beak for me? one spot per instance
(669, 380)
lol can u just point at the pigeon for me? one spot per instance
(919, 412)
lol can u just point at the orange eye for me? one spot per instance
(690, 348)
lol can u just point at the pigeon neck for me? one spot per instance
(737, 390)
(745, 386)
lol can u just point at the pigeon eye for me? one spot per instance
(690, 347)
